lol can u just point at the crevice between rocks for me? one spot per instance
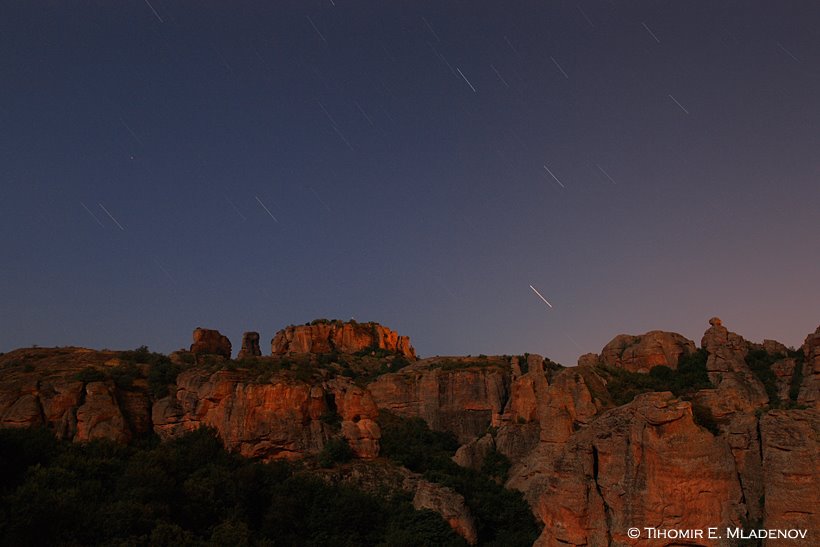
(607, 511)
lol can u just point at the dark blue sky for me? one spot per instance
(247, 165)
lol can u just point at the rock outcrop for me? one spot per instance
(791, 458)
(210, 342)
(462, 395)
(100, 416)
(809, 393)
(380, 478)
(630, 469)
(588, 468)
(358, 412)
(250, 346)
(641, 353)
(350, 337)
(42, 387)
(737, 397)
(281, 419)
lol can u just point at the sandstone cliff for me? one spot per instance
(739, 452)
(335, 336)
(641, 353)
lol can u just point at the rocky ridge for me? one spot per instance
(323, 336)
(742, 452)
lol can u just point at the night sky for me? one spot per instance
(249, 165)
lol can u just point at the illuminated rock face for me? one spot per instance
(326, 337)
(465, 401)
(285, 418)
(645, 464)
(641, 353)
(589, 470)
(209, 341)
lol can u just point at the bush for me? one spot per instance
(502, 516)
(304, 372)
(336, 450)
(688, 378)
(162, 374)
(797, 377)
(188, 491)
(760, 362)
(90, 374)
(496, 466)
(124, 375)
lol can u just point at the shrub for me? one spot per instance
(502, 516)
(304, 372)
(336, 450)
(124, 375)
(797, 377)
(188, 491)
(760, 362)
(689, 377)
(496, 466)
(90, 374)
(160, 376)
(331, 418)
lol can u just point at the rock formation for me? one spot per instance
(463, 399)
(791, 458)
(211, 342)
(250, 346)
(641, 353)
(100, 416)
(282, 419)
(628, 469)
(810, 388)
(378, 478)
(588, 468)
(330, 336)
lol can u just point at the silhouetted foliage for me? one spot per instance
(797, 377)
(336, 450)
(760, 362)
(502, 516)
(90, 374)
(689, 377)
(161, 374)
(496, 466)
(188, 491)
(124, 375)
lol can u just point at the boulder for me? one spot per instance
(474, 453)
(450, 505)
(211, 342)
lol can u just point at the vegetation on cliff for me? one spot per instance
(761, 363)
(502, 516)
(186, 492)
(690, 376)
